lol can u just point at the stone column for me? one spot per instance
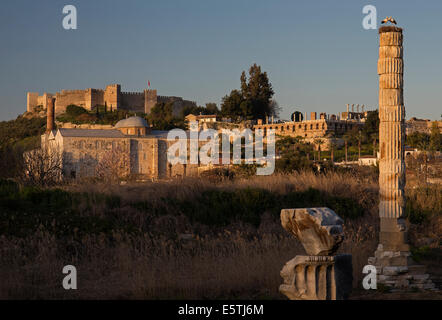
(392, 258)
(391, 140)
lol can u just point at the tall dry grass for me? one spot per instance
(237, 261)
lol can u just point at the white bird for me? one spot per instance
(389, 19)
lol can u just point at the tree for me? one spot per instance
(354, 137)
(231, 105)
(331, 138)
(212, 108)
(114, 165)
(257, 90)
(346, 149)
(318, 142)
(370, 130)
(435, 138)
(275, 109)
(161, 117)
(73, 110)
(42, 167)
(419, 140)
(295, 154)
(253, 101)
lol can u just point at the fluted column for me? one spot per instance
(391, 139)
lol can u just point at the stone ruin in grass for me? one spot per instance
(319, 275)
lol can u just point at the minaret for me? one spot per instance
(50, 115)
(391, 140)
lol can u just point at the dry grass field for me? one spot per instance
(190, 238)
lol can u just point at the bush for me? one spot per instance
(423, 203)
(220, 208)
(74, 111)
(61, 213)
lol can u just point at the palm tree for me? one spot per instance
(331, 137)
(374, 145)
(346, 148)
(319, 142)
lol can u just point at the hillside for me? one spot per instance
(23, 133)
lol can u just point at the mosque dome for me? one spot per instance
(132, 122)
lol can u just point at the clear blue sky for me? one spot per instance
(316, 53)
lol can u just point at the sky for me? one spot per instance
(316, 53)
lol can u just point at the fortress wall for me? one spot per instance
(111, 96)
(67, 97)
(95, 97)
(133, 101)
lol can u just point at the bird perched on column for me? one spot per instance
(389, 19)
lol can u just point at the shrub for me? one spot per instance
(74, 111)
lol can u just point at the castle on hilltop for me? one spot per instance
(112, 97)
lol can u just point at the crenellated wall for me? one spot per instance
(133, 101)
(67, 97)
(111, 96)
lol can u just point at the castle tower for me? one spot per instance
(392, 257)
(150, 100)
(31, 101)
(112, 96)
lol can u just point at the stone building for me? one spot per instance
(314, 128)
(327, 128)
(130, 144)
(420, 125)
(202, 118)
(111, 96)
